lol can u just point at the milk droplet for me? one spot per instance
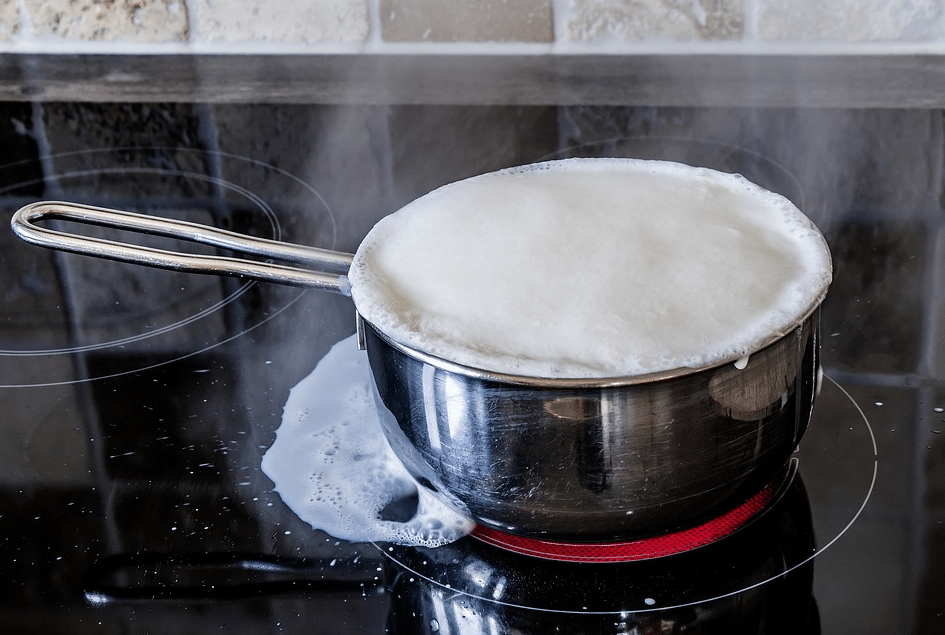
(332, 464)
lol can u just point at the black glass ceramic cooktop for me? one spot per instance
(137, 403)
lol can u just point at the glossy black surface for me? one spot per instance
(136, 404)
(470, 588)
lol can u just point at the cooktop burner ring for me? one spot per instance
(448, 568)
(267, 210)
(198, 311)
(725, 524)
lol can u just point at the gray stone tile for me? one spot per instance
(848, 20)
(486, 21)
(587, 20)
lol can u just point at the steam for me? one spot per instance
(835, 164)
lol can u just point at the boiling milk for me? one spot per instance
(592, 268)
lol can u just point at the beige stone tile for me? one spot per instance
(634, 20)
(850, 20)
(482, 21)
(281, 22)
(9, 19)
(106, 20)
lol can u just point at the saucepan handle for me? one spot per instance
(310, 266)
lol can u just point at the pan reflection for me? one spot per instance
(758, 580)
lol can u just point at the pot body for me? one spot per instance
(596, 463)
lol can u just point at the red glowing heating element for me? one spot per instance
(647, 548)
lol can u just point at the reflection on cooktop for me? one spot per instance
(159, 315)
(840, 447)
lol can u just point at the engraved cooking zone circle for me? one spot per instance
(157, 317)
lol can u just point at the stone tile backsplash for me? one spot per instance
(850, 20)
(681, 20)
(550, 25)
(234, 21)
(109, 20)
(482, 21)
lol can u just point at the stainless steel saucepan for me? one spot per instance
(557, 459)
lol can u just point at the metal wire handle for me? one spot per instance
(323, 269)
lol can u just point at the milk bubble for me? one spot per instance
(332, 465)
(592, 268)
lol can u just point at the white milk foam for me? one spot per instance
(332, 465)
(592, 268)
